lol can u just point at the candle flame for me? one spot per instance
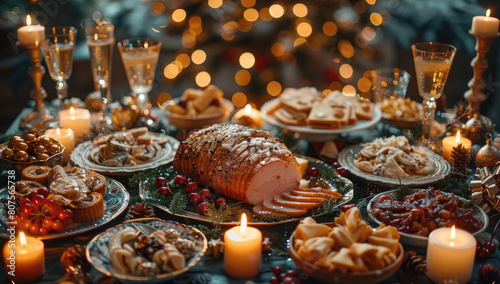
(72, 111)
(22, 239)
(28, 20)
(96, 37)
(243, 226)
(458, 137)
(248, 109)
(58, 132)
(452, 236)
(488, 13)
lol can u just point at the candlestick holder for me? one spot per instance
(475, 95)
(36, 119)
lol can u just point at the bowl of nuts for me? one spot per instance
(30, 150)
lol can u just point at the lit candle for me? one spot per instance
(248, 116)
(242, 250)
(24, 259)
(485, 25)
(67, 138)
(78, 120)
(30, 35)
(453, 141)
(450, 254)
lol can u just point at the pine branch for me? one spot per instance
(179, 202)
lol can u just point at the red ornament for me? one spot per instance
(489, 273)
(342, 172)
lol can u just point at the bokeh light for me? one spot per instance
(376, 19)
(300, 10)
(229, 30)
(198, 56)
(346, 71)
(299, 41)
(371, 2)
(171, 71)
(158, 8)
(278, 49)
(242, 77)
(183, 59)
(215, 3)
(188, 39)
(247, 3)
(251, 15)
(304, 29)
(368, 33)
(202, 79)
(335, 86)
(239, 99)
(162, 98)
(247, 60)
(244, 25)
(265, 15)
(329, 29)
(364, 84)
(276, 11)
(349, 90)
(274, 88)
(346, 48)
(179, 15)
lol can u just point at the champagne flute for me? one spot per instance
(432, 65)
(58, 48)
(100, 40)
(140, 57)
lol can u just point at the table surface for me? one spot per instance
(208, 270)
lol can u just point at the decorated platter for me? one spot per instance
(80, 157)
(402, 122)
(98, 252)
(115, 202)
(421, 241)
(441, 170)
(361, 124)
(328, 178)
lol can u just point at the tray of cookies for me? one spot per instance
(308, 111)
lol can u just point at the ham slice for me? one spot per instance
(278, 200)
(240, 162)
(269, 206)
(299, 198)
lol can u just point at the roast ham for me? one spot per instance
(243, 163)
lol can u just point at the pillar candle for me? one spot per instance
(248, 116)
(242, 250)
(485, 25)
(78, 120)
(30, 35)
(450, 254)
(453, 141)
(24, 259)
(67, 138)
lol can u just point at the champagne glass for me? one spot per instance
(100, 40)
(58, 48)
(139, 57)
(432, 65)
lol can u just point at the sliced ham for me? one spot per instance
(240, 162)
(278, 200)
(300, 198)
(269, 206)
(307, 193)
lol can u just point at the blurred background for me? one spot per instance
(253, 50)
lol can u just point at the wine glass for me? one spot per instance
(58, 48)
(100, 40)
(139, 57)
(432, 65)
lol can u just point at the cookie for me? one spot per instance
(328, 116)
(290, 116)
(300, 99)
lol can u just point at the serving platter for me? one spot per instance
(97, 250)
(80, 157)
(420, 241)
(441, 170)
(147, 192)
(115, 202)
(361, 124)
(402, 122)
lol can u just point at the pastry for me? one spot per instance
(290, 116)
(88, 209)
(36, 173)
(328, 116)
(95, 182)
(210, 94)
(300, 99)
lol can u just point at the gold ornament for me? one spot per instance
(94, 102)
(125, 116)
(7, 153)
(44, 141)
(477, 127)
(75, 262)
(39, 150)
(29, 138)
(42, 157)
(54, 149)
(487, 156)
(32, 159)
(21, 147)
(21, 156)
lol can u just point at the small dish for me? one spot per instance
(20, 166)
(195, 122)
(326, 276)
(97, 250)
(419, 241)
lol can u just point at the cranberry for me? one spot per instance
(347, 207)
(191, 187)
(313, 172)
(220, 202)
(180, 180)
(290, 273)
(274, 280)
(161, 182)
(276, 271)
(205, 193)
(490, 246)
(194, 198)
(342, 172)
(484, 253)
(43, 191)
(37, 201)
(405, 229)
(24, 201)
(164, 190)
(383, 198)
(183, 104)
(288, 280)
(202, 208)
(336, 164)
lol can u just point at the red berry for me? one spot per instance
(489, 273)
(478, 248)
(347, 207)
(205, 193)
(490, 246)
(202, 208)
(37, 201)
(43, 191)
(194, 198)
(69, 214)
(312, 172)
(164, 190)
(180, 180)
(288, 280)
(336, 164)
(26, 211)
(290, 273)
(57, 226)
(183, 104)
(26, 224)
(42, 231)
(31, 195)
(274, 280)
(62, 215)
(191, 187)
(161, 182)
(24, 201)
(484, 254)
(34, 228)
(220, 202)
(277, 271)
(383, 198)
(47, 222)
(342, 172)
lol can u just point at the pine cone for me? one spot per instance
(414, 264)
(459, 158)
(140, 210)
(74, 258)
(185, 246)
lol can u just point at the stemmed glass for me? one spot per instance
(58, 48)
(432, 65)
(100, 40)
(139, 57)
